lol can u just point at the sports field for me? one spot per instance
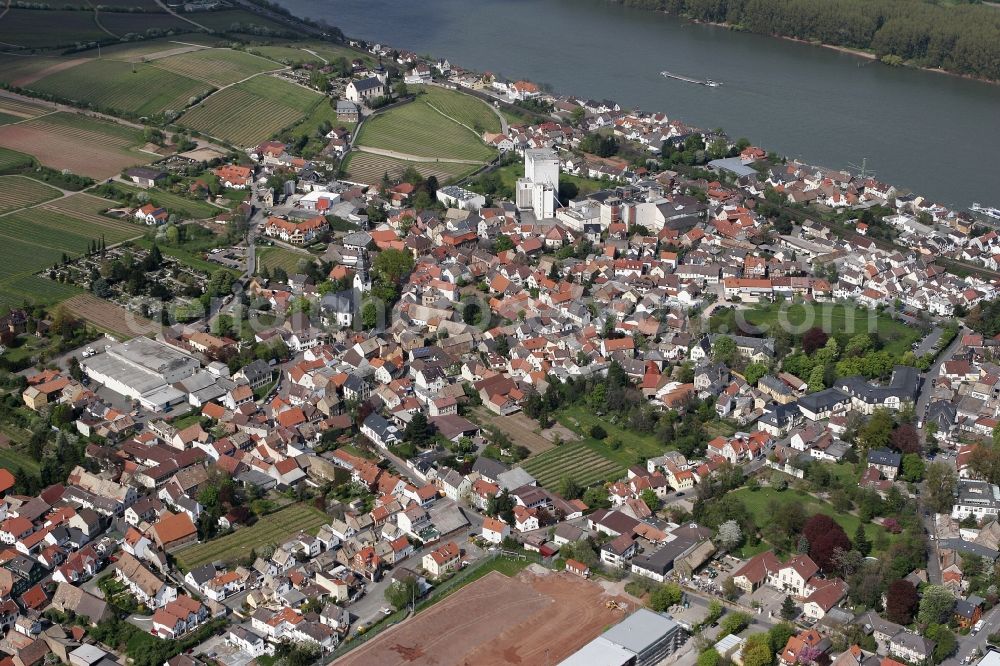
(575, 461)
(271, 529)
(279, 257)
(134, 88)
(250, 112)
(83, 145)
(369, 168)
(20, 192)
(418, 129)
(219, 67)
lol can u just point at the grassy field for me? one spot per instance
(48, 28)
(837, 319)
(11, 160)
(279, 257)
(368, 168)
(576, 461)
(633, 445)
(14, 460)
(271, 529)
(20, 192)
(417, 129)
(466, 109)
(219, 67)
(86, 146)
(186, 257)
(175, 203)
(138, 88)
(760, 504)
(510, 173)
(6, 118)
(252, 111)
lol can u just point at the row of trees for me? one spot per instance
(964, 39)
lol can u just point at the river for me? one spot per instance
(934, 134)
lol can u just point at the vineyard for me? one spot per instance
(11, 160)
(219, 67)
(370, 168)
(134, 88)
(250, 112)
(20, 192)
(33, 240)
(111, 318)
(576, 461)
(271, 529)
(85, 146)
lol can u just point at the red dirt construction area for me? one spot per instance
(534, 618)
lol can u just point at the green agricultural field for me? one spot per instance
(33, 289)
(33, 28)
(418, 129)
(219, 67)
(761, 504)
(11, 160)
(250, 112)
(6, 118)
(840, 320)
(279, 257)
(125, 23)
(369, 168)
(138, 88)
(33, 240)
(287, 55)
(20, 192)
(271, 529)
(576, 461)
(235, 20)
(466, 109)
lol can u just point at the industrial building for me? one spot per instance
(143, 370)
(642, 639)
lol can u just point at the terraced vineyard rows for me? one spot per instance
(576, 461)
(270, 529)
(136, 88)
(22, 109)
(33, 289)
(19, 192)
(252, 111)
(219, 67)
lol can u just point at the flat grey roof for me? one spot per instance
(640, 630)
(599, 652)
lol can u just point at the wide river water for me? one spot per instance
(934, 134)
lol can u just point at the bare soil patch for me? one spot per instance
(110, 317)
(534, 618)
